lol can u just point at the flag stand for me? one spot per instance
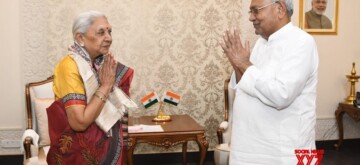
(161, 115)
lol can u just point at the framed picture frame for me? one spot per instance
(319, 16)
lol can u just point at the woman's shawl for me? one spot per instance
(117, 101)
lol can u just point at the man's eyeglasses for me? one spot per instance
(256, 10)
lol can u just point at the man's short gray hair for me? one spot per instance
(289, 6)
(84, 21)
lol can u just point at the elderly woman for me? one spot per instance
(81, 127)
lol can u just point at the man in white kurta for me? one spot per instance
(274, 107)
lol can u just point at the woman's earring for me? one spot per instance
(82, 44)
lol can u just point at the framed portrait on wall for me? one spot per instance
(319, 16)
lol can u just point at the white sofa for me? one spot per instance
(222, 150)
(36, 140)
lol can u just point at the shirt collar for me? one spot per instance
(279, 33)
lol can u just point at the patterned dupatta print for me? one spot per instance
(92, 146)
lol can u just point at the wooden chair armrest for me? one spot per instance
(27, 147)
(220, 132)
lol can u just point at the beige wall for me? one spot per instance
(337, 52)
(11, 88)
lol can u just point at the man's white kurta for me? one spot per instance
(274, 106)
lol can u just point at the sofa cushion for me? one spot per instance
(42, 120)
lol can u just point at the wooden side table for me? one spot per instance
(180, 130)
(352, 111)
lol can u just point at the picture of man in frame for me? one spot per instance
(315, 18)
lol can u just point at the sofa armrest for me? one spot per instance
(27, 146)
(30, 141)
(222, 128)
(224, 125)
(219, 133)
(40, 159)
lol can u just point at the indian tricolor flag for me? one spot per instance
(150, 99)
(171, 98)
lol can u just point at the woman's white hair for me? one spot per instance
(84, 21)
(289, 6)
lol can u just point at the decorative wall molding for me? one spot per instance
(10, 134)
(327, 129)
